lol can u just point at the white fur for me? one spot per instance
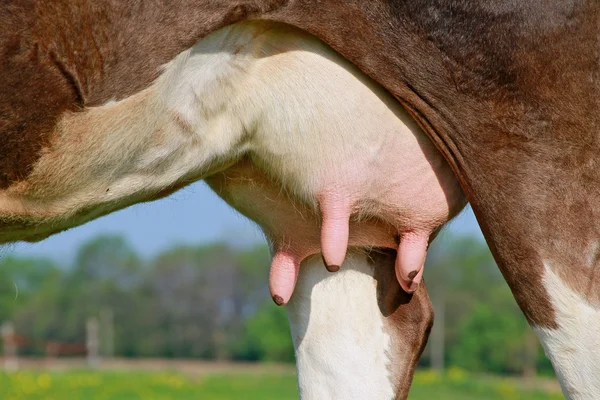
(183, 127)
(338, 332)
(574, 347)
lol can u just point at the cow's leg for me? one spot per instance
(552, 272)
(356, 333)
(573, 345)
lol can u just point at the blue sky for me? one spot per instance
(192, 215)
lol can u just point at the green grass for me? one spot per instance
(113, 385)
(457, 384)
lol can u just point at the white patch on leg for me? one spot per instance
(574, 347)
(338, 332)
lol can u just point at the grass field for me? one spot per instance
(147, 385)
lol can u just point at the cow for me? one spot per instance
(244, 92)
(507, 91)
(242, 97)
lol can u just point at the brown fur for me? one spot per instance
(509, 93)
(409, 316)
(61, 55)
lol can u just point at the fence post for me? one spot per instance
(530, 353)
(9, 346)
(92, 342)
(107, 332)
(438, 333)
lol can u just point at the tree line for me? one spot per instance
(212, 302)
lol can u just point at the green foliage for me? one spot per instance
(22, 279)
(484, 330)
(266, 337)
(192, 301)
(490, 340)
(212, 302)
